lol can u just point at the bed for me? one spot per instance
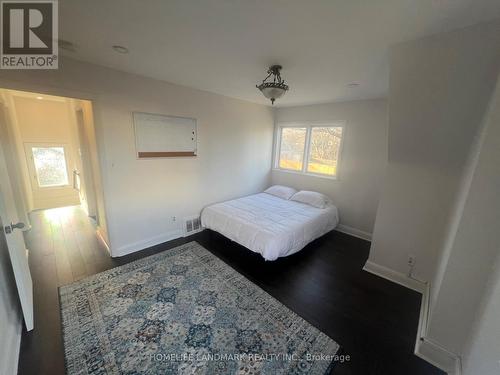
(271, 226)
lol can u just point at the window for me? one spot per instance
(293, 141)
(309, 149)
(50, 166)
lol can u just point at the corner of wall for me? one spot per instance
(395, 276)
(367, 236)
(428, 349)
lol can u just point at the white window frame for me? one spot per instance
(32, 168)
(308, 125)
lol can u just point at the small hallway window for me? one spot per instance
(50, 166)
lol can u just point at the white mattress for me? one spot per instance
(268, 225)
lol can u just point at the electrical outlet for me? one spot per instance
(174, 219)
(411, 260)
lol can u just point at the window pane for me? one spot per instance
(292, 148)
(50, 166)
(324, 150)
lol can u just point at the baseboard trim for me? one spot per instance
(186, 234)
(438, 356)
(395, 276)
(428, 349)
(152, 241)
(425, 348)
(354, 232)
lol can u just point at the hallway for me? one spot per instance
(63, 247)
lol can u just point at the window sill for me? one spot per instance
(53, 186)
(300, 173)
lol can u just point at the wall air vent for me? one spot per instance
(196, 224)
(192, 225)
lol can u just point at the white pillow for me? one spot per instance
(312, 198)
(281, 191)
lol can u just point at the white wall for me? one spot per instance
(474, 248)
(142, 196)
(482, 357)
(363, 159)
(47, 121)
(439, 90)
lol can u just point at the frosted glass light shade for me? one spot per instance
(273, 92)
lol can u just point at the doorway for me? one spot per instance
(52, 153)
(49, 150)
(51, 177)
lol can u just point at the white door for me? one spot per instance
(15, 243)
(52, 180)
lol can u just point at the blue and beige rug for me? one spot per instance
(184, 311)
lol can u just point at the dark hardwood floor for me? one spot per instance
(374, 320)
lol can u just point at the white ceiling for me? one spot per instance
(225, 46)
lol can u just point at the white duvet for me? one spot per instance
(268, 225)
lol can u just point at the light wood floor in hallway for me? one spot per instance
(63, 248)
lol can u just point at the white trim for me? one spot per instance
(328, 177)
(395, 276)
(307, 149)
(354, 232)
(438, 356)
(100, 237)
(143, 244)
(428, 349)
(185, 234)
(425, 348)
(424, 314)
(308, 126)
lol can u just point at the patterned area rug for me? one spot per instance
(184, 311)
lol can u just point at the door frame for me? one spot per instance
(9, 84)
(86, 164)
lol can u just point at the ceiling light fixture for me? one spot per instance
(275, 88)
(39, 97)
(120, 49)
